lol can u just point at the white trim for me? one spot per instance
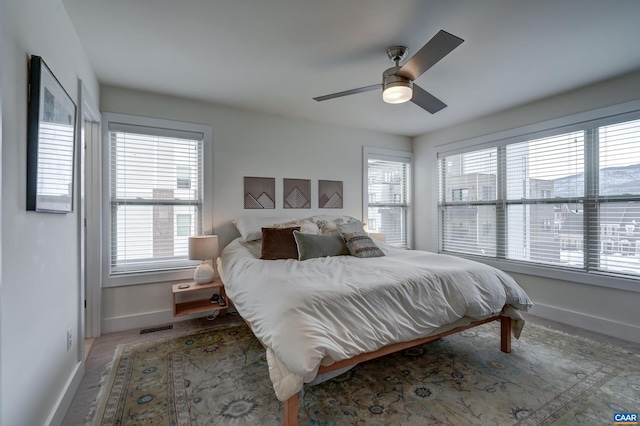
(622, 331)
(60, 408)
(93, 216)
(1, 197)
(148, 319)
(389, 155)
(207, 204)
(80, 152)
(120, 280)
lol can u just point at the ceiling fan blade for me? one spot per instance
(426, 100)
(437, 48)
(348, 92)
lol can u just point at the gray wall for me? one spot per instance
(606, 310)
(245, 143)
(40, 291)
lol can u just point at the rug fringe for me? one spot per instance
(89, 420)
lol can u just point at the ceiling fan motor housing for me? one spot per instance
(390, 78)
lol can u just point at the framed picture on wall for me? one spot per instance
(330, 194)
(259, 192)
(297, 193)
(51, 135)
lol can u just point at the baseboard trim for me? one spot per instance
(148, 319)
(63, 403)
(626, 332)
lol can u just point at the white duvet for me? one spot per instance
(323, 310)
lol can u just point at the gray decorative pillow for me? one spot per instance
(357, 241)
(311, 246)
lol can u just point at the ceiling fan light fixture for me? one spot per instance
(397, 94)
(396, 89)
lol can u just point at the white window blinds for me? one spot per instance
(571, 199)
(388, 190)
(616, 230)
(155, 184)
(468, 193)
(544, 185)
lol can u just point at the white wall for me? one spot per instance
(40, 290)
(601, 309)
(245, 143)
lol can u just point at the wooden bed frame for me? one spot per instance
(290, 417)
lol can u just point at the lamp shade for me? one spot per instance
(203, 247)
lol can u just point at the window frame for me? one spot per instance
(369, 152)
(183, 273)
(591, 119)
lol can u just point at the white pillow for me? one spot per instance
(250, 228)
(306, 226)
(328, 223)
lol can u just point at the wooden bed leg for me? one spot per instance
(505, 334)
(291, 411)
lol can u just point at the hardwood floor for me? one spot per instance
(103, 348)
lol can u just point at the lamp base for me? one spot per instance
(204, 273)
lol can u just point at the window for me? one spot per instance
(487, 228)
(460, 194)
(183, 226)
(487, 192)
(387, 177)
(155, 199)
(183, 177)
(581, 182)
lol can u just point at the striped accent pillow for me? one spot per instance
(357, 241)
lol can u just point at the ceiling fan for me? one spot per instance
(397, 81)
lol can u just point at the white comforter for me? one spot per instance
(328, 309)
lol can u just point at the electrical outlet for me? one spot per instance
(69, 339)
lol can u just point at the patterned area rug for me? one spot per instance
(219, 376)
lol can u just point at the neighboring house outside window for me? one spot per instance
(183, 225)
(156, 195)
(387, 177)
(461, 194)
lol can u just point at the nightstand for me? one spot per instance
(185, 305)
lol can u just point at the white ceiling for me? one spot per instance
(277, 55)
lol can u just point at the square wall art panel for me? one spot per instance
(259, 193)
(297, 193)
(330, 194)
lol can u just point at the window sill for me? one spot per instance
(147, 277)
(549, 271)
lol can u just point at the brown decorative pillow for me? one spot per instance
(279, 243)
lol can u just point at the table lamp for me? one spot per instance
(203, 247)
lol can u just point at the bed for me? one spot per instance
(320, 316)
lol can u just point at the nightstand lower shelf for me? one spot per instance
(189, 307)
(196, 307)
